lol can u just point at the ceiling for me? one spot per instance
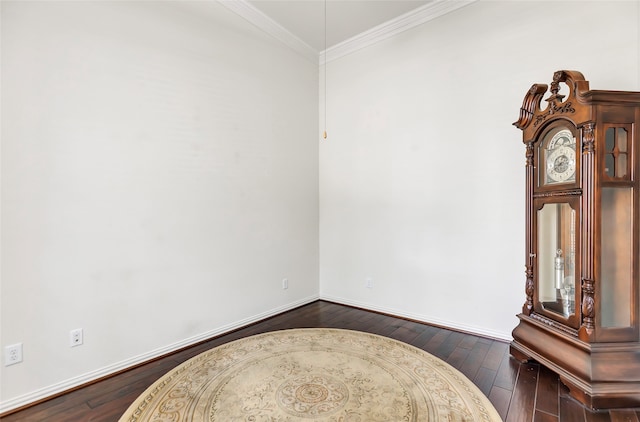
(345, 18)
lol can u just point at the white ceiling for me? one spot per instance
(345, 18)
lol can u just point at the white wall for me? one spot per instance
(159, 180)
(160, 172)
(422, 176)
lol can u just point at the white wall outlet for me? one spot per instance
(13, 354)
(285, 284)
(75, 337)
(368, 283)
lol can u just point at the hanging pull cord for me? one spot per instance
(324, 135)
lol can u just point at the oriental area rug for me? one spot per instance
(313, 374)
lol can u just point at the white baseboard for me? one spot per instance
(68, 384)
(63, 386)
(483, 332)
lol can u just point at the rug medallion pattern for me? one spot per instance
(321, 375)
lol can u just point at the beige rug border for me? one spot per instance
(189, 362)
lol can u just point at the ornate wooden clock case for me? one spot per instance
(581, 314)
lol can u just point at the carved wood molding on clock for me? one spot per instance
(554, 109)
(555, 324)
(571, 192)
(556, 106)
(533, 116)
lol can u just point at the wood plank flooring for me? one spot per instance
(520, 392)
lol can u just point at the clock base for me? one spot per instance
(598, 375)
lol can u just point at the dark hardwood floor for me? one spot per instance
(520, 392)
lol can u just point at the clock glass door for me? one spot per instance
(556, 258)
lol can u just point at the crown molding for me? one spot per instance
(388, 29)
(392, 27)
(271, 27)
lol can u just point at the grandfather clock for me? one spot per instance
(581, 316)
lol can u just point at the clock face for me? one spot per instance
(560, 158)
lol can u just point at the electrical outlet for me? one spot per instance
(75, 337)
(368, 282)
(13, 354)
(285, 284)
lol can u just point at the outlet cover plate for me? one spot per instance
(75, 337)
(13, 354)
